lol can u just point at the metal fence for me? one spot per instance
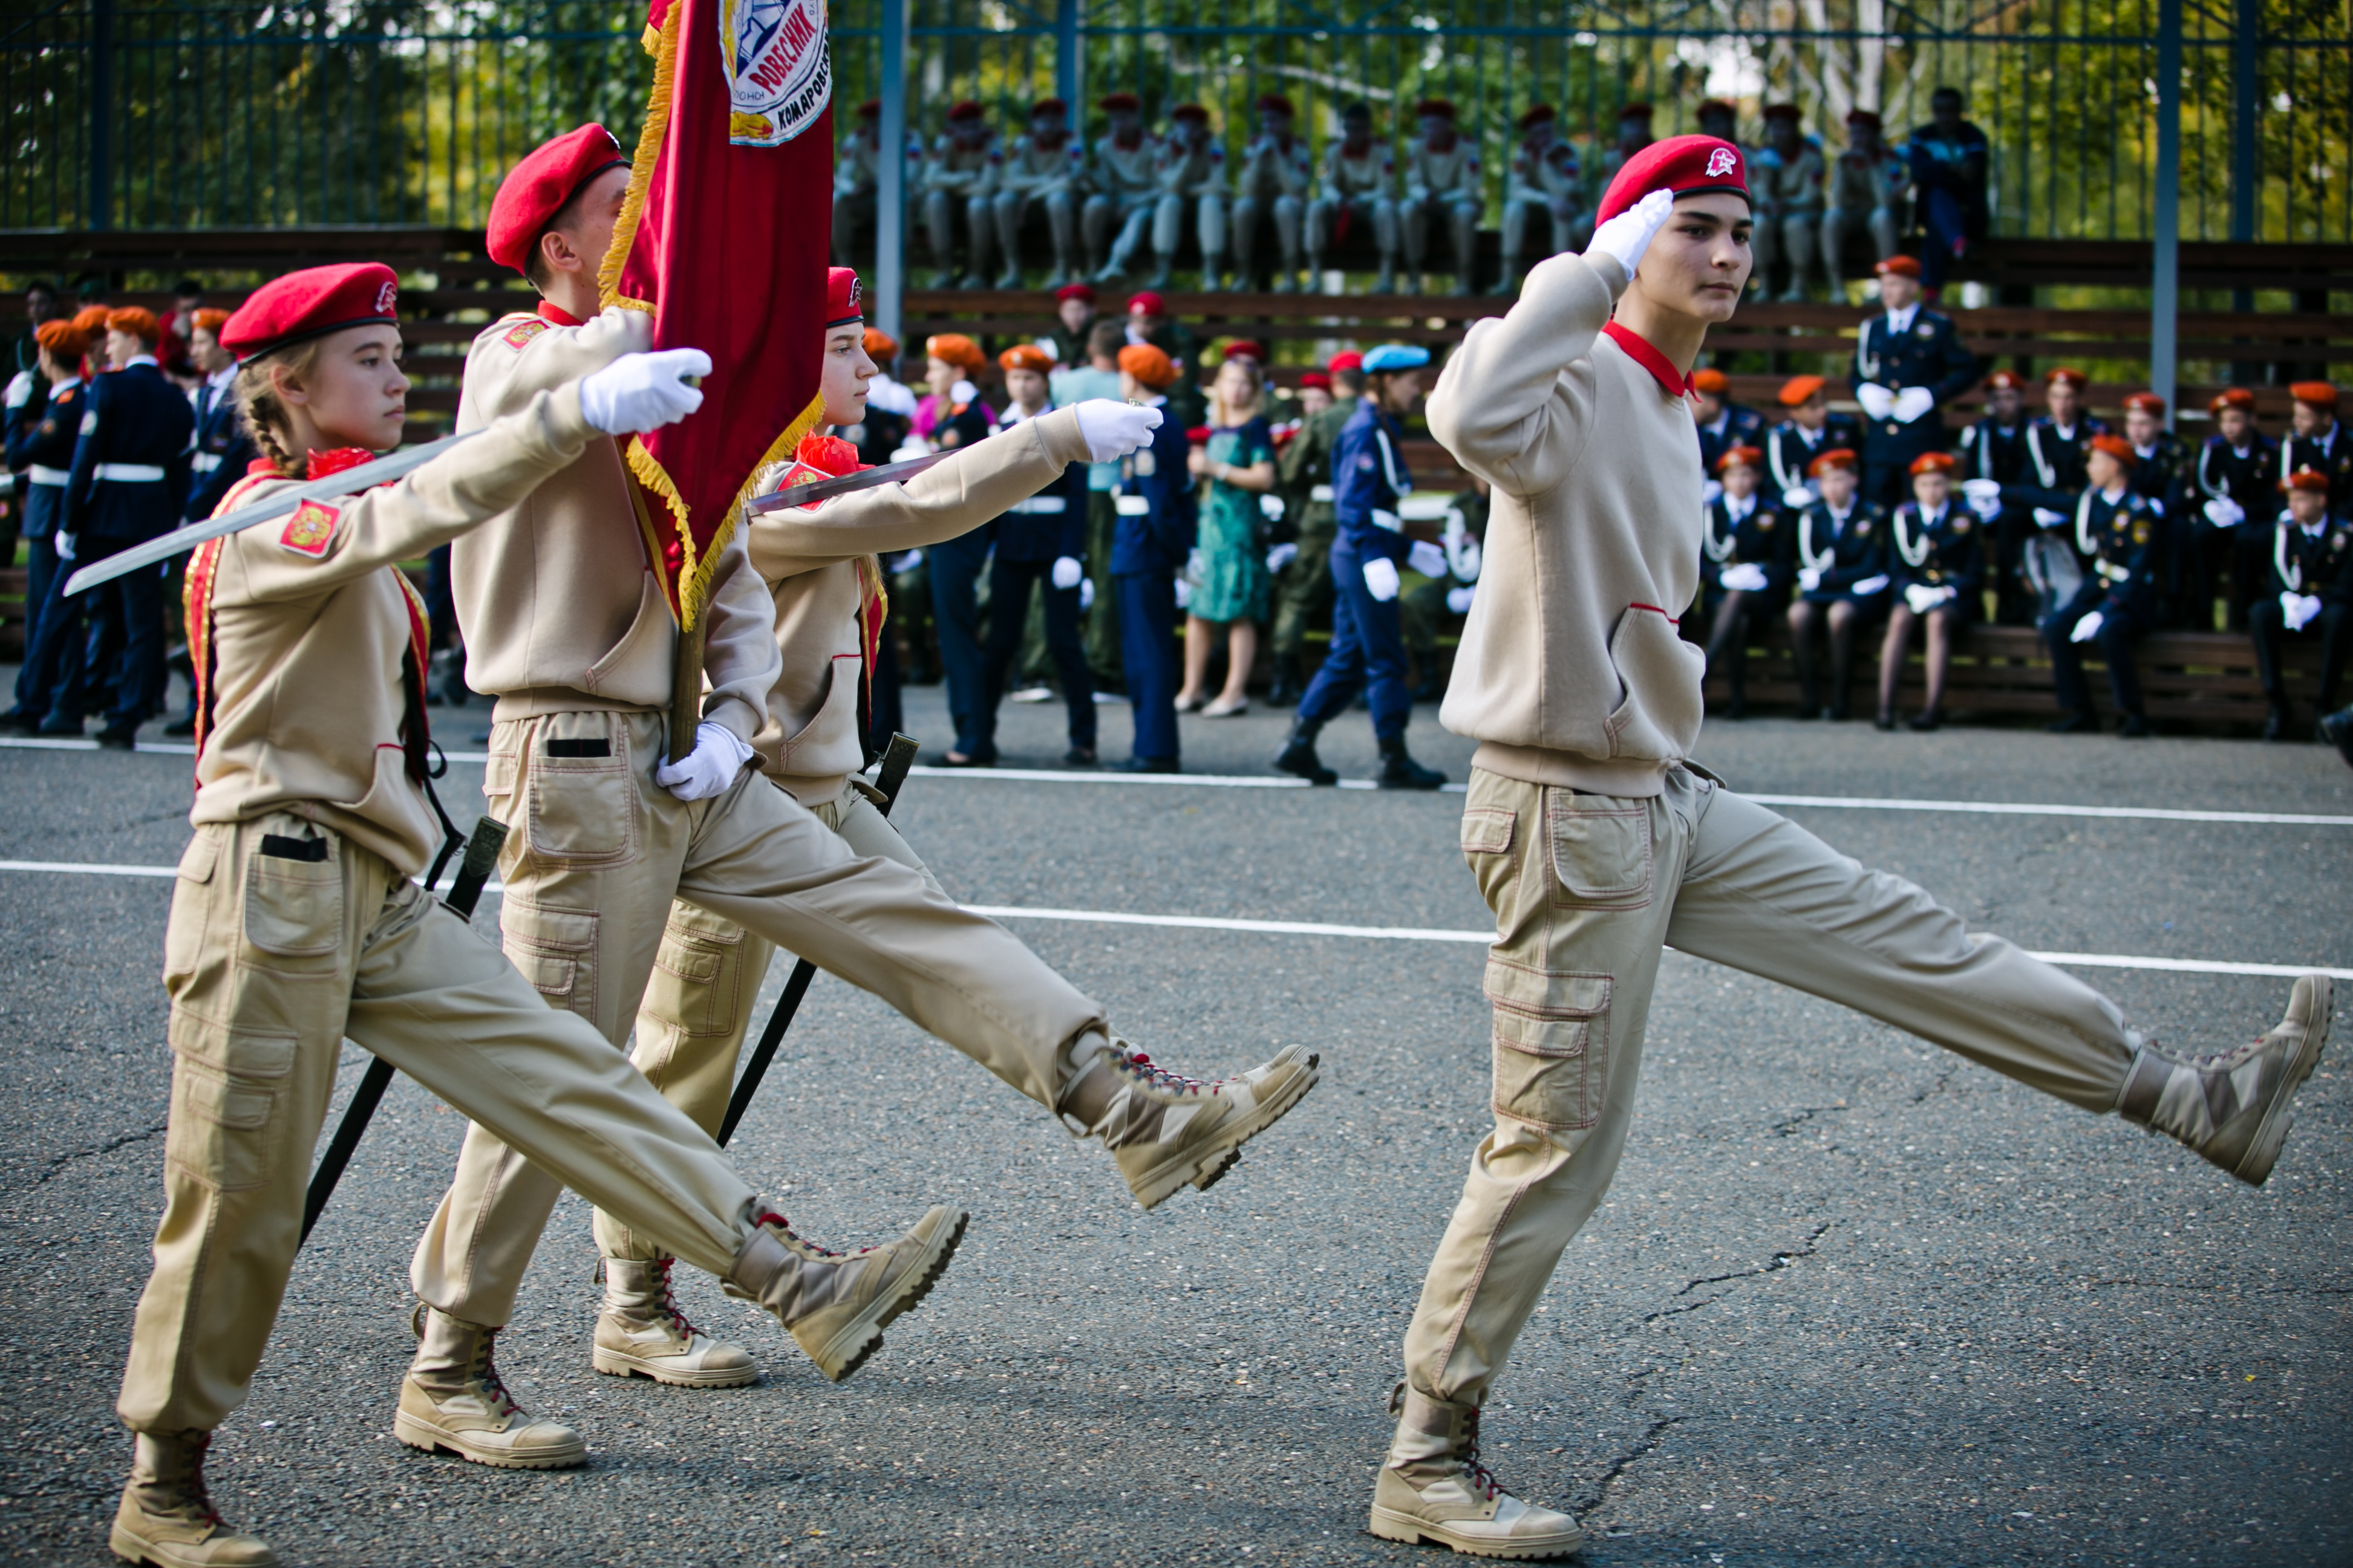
(128, 115)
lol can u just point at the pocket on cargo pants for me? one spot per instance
(1552, 1053)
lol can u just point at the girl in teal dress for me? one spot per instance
(1230, 590)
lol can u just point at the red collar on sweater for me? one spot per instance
(551, 312)
(1638, 348)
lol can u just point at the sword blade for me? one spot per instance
(351, 482)
(845, 484)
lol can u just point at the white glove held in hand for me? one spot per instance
(1797, 498)
(1876, 400)
(1381, 578)
(2044, 516)
(1426, 558)
(2088, 628)
(718, 756)
(1913, 402)
(1458, 600)
(2224, 512)
(638, 393)
(1113, 429)
(1869, 586)
(1924, 597)
(65, 546)
(2298, 609)
(1067, 572)
(1810, 579)
(1980, 492)
(1743, 577)
(1627, 236)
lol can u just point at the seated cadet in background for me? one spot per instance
(1041, 542)
(1154, 536)
(1442, 191)
(1839, 552)
(1190, 170)
(1994, 448)
(1047, 168)
(1275, 183)
(1745, 574)
(2056, 441)
(2237, 476)
(858, 178)
(2160, 470)
(2310, 595)
(1785, 175)
(1543, 189)
(1867, 193)
(1359, 185)
(1723, 423)
(1807, 431)
(2119, 534)
(1938, 567)
(1126, 192)
(959, 179)
(2317, 440)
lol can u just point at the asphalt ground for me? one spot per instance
(1852, 1299)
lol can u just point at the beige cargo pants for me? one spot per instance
(1586, 891)
(595, 855)
(271, 959)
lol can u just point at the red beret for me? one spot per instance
(1246, 348)
(310, 304)
(537, 188)
(2068, 373)
(1119, 103)
(1433, 109)
(963, 108)
(1751, 455)
(1713, 382)
(2116, 446)
(1146, 304)
(1682, 164)
(2233, 397)
(1538, 114)
(1899, 265)
(1275, 103)
(1076, 291)
(1935, 463)
(1797, 389)
(1836, 458)
(1026, 356)
(1048, 106)
(1346, 359)
(845, 301)
(1316, 378)
(1192, 112)
(1862, 117)
(2007, 380)
(2317, 393)
(2307, 478)
(2147, 401)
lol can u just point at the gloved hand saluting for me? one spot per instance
(1626, 237)
(638, 393)
(1113, 429)
(718, 756)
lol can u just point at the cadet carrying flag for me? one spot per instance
(725, 237)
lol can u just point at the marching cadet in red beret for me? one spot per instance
(1276, 181)
(2309, 596)
(1596, 844)
(296, 923)
(2237, 486)
(1046, 169)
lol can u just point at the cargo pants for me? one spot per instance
(1586, 890)
(596, 854)
(284, 938)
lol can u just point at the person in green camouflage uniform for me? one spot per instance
(1302, 586)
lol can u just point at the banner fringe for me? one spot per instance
(662, 43)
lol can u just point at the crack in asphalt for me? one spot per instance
(58, 1163)
(1779, 1260)
(1788, 1125)
(1590, 1499)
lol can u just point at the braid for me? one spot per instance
(261, 409)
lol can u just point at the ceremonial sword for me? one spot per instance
(889, 781)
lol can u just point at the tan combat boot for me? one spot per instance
(166, 1517)
(1165, 1129)
(1433, 1488)
(837, 1304)
(452, 1401)
(641, 1333)
(2234, 1107)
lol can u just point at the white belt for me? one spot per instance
(1132, 506)
(1388, 519)
(41, 475)
(2113, 573)
(1041, 504)
(130, 473)
(204, 462)
(1321, 492)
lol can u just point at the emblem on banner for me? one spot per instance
(779, 70)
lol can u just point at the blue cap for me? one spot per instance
(1396, 356)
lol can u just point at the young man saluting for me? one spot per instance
(1595, 843)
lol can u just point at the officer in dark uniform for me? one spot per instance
(1744, 569)
(2059, 438)
(1302, 583)
(21, 405)
(1936, 559)
(2317, 440)
(1156, 510)
(130, 483)
(2309, 594)
(1908, 363)
(1807, 430)
(1993, 451)
(2120, 534)
(1368, 476)
(1041, 543)
(1839, 556)
(43, 448)
(1723, 423)
(2236, 480)
(2160, 470)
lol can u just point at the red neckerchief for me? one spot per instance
(549, 310)
(1675, 383)
(832, 455)
(320, 465)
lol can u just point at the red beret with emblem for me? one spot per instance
(2116, 446)
(2145, 402)
(1076, 291)
(2233, 397)
(1740, 457)
(2315, 393)
(1684, 164)
(1316, 378)
(1345, 360)
(310, 304)
(845, 300)
(536, 189)
(1898, 267)
(2307, 478)
(2005, 381)
(1836, 458)
(1147, 303)
(1935, 463)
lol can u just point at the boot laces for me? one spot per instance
(1157, 1077)
(772, 1220)
(1475, 1474)
(194, 1490)
(486, 1373)
(669, 1308)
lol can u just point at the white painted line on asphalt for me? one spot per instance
(1315, 927)
(1248, 780)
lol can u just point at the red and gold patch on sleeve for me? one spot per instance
(522, 331)
(310, 528)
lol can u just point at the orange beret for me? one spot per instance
(1935, 463)
(209, 318)
(1713, 382)
(1026, 356)
(880, 346)
(2147, 403)
(2307, 478)
(1800, 389)
(1836, 458)
(1750, 456)
(65, 341)
(91, 318)
(1900, 266)
(1147, 364)
(2233, 397)
(138, 324)
(2068, 373)
(955, 349)
(2007, 381)
(2319, 393)
(2116, 446)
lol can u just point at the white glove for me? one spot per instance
(962, 392)
(20, 390)
(1381, 574)
(2224, 512)
(1086, 593)
(1988, 508)
(1627, 236)
(1426, 558)
(65, 546)
(1709, 490)
(2298, 609)
(1797, 498)
(638, 393)
(718, 756)
(908, 562)
(1113, 429)
(1924, 598)
(1810, 579)
(1067, 572)
(1981, 492)
(1869, 586)
(1271, 507)
(1183, 594)
(1913, 402)
(2044, 516)
(1281, 557)
(2088, 628)
(1876, 400)
(1458, 600)
(1743, 577)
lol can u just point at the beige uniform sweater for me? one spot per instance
(812, 559)
(1570, 670)
(310, 624)
(560, 609)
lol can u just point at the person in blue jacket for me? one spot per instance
(1368, 477)
(129, 482)
(1042, 542)
(42, 446)
(1151, 537)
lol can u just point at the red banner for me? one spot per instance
(725, 237)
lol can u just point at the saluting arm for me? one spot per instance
(1501, 405)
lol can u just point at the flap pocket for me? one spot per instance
(294, 908)
(226, 1104)
(1552, 1058)
(1600, 849)
(555, 950)
(245, 1052)
(1659, 674)
(584, 800)
(1487, 830)
(197, 862)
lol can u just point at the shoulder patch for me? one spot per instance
(310, 529)
(522, 331)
